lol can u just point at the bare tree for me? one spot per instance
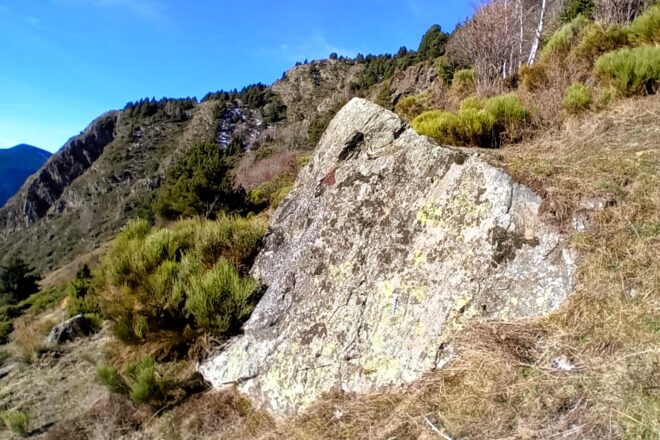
(487, 42)
(618, 11)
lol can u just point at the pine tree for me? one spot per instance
(432, 44)
(18, 280)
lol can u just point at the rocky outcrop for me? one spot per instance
(416, 79)
(386, 246)
(73, 328)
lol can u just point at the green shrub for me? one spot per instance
(646, 27)
(463, 82)
(110, 378)
(440, 125)
(164, 279)
(140, 380)
(78, 300)
(16, 421)
(412, 106)
(42, 300)
(597, 39)
(220, 298)
(467, 127)
(269, 192)
(631, 71)
(472, 102)
(444, 69)
(562, 41)
(278, 197)
(475, 128)
(6, 327)
(145, 384)
(577, 98)
(575, 8)
(508, 114)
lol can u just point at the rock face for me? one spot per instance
(75, 327)
(44, 189)
(386, 245)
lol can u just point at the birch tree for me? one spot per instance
(537, 35)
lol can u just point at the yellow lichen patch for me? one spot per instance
(431, 215)
(419, 257)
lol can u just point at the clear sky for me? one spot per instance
(64, 62)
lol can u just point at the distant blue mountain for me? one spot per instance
(16, 165)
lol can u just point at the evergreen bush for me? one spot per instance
(577, 98)
(633, 71)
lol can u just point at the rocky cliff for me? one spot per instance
(386, 246)
(43, 189)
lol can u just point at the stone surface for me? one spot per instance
(386, 246)
(73, 328)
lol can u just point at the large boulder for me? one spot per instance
(386, 246)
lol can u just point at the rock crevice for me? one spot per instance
(386, 246)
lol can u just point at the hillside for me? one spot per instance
(456, 242)
(16, 165)
(107, 175)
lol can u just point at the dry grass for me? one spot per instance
(29, 334)
(214, 414)
(250, 176)
(110, 419)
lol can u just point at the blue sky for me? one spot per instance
(64, 62)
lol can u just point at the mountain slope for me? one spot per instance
(16, 165)
(108, 174)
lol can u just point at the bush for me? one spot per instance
(597, 39)
(577, 98)
(475, 128)
(440, 125)
(140, 380)
(646, 27)
(444, 69)
(145, 384)
(78, 289)
(631, 71)
(16, 421)
(472, 102)
(42, 300)
(468, 127)
(219, 298)
(575, 8)
(412, 106)
(6, 328)
(508, 114)
(165, 279)
(463, 82)
(534, 77)
(110, 378)
(562, 41)
(18, 280)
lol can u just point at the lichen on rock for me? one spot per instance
(370, 272)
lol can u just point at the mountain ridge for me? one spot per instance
(17, 163)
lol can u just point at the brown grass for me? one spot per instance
(29, 334)
(110, 419)
(215, 414)
(250, 176)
